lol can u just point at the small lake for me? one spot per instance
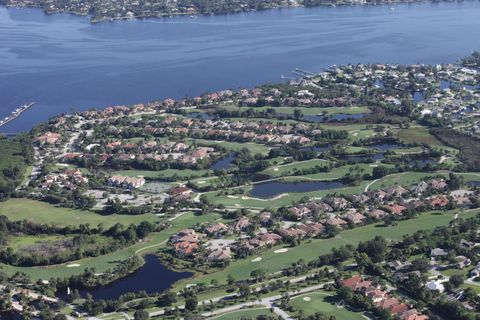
(271, 189)
(152, 277)
(224, 163)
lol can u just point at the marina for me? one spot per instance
(16, 113)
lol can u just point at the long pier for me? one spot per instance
(16, 113)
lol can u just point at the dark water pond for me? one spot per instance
(274, 188)
(152, 277)
(473, 183)
(224, 163)
(10, 315)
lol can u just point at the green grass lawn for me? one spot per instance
(313, 302)
(281, 170)
(248, 313)
(420, 134)
(108, 261)
(236, 146)
(28, 240)
(44, 213)
(310, 249)
(243, 200)
(356, 131)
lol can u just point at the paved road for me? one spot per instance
(268, 302)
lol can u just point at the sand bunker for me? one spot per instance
(307, 298)
(73, 265)
(281, 250)
(257, 259)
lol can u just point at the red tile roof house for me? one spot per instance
(292, 232)
(355, 218)
(241, 224)
(356, 283)
(268, 239)
(438, 184)
(312, 229)
(299, 212)
(375, 294)
(337, 222)
(412, 314)
(395, 209)
(377, 214)
(438, 202)
(185, 249)
(180, 191)
(216, 229)
(49, 138)
(220, 254)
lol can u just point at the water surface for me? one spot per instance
(274, 188)
(64, 63)
(152, 277)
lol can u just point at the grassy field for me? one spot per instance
(44, 213)
(108, 261)
(281, 170)
(311, 249)
(243, 200)
(317, 301)
(247, 313)
(236, 146)
(356, 131)
(420, 134)
(27, 240)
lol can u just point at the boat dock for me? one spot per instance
(16, 113)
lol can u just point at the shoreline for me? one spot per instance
(165, 15)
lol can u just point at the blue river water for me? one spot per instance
(64, 63)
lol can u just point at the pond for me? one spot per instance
(271, 189)
(152, 277)
(473, 183)
(224, 163)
